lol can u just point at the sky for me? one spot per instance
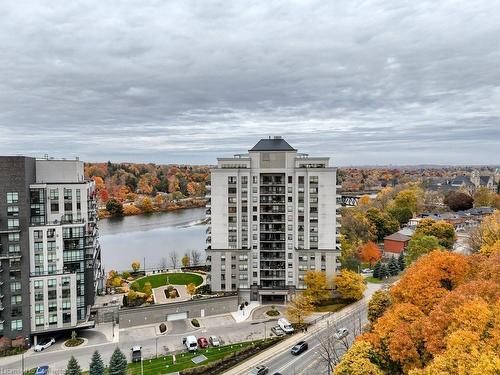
(364, 82)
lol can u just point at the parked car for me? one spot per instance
(136, 353)
(42, 370)
(278, 331)
(285, 325)
(190, 343)
(214, 340)
(341, 333)
(299, 348)
(44, 344)
(203, 342)
(366, 270)
(259, 370)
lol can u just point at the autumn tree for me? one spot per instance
(299, 309)
(185, 260)
(379, 303)
(384, 223)
(487, 233)
(356, 227)
(350, 285)
(370, 253)
(458, 201)
(146, 205)
(191, 289)
(420, 245)
(483, 197)
(136, 265)
(147, 289)
(360, 359)
(317, 287)
(348, 254)
(443, 231)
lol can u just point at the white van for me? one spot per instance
(190, 343)
(285, 325)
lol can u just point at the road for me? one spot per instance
(310, 362)
(279, 359)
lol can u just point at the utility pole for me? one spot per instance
(156, 339)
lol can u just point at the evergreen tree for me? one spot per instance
(376, 270)
(383, 272)
(73, 367)
(393, 266)
(401, 261)
(118, 363)
(96, 364)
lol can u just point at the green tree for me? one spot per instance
(401, 214)
(393, 266)
(117, 363)
(376, 270)
(383, 272)
(379, 303)
(356, 227)
(114, 207)
(96, 364)
(420, 245)
(401, 261)
(73, 367)
(350, 263)
(443, 231)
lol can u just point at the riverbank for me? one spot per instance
(132, 209)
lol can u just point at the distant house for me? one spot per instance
(467, 183)
(395, 243)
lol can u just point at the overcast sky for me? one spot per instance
(365, 82)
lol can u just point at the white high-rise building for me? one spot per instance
(273, 217)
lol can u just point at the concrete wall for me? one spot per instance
(158, 313)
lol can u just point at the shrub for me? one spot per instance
(195, 322)
(126, 275)
(163, 327)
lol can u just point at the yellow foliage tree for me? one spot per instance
(316, 286)
(147, 205)
(490, 249)
(147, 289)
(299, 309)
(136, 265)
(185, 260)
(191, 288)
(357, 361)
(350, 285)
(130, 209)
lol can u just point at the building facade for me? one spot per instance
(51, 257)
(272, 217)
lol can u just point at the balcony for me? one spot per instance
(208, 212)
(208, 240)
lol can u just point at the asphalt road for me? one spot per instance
(310, 362)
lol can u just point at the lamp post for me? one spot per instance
(156, 344)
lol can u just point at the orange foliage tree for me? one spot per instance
(370, 253)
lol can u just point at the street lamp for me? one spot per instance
(156, 343)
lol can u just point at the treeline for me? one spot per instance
(131, 188)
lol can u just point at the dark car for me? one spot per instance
(136, 353)
(42, 370)
(259, 370)
(299, 347)
(203, 342)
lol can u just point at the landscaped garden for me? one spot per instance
(180, 278)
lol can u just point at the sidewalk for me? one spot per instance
(287, 343)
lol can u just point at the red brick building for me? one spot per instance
(395, 243)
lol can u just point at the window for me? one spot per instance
(12, 223)
(66, 305)
(313, 179)
(51, 283)
(15, 300)
(243, 267)
(52, 306)
(15, 286)
(38, 284)
(52, 318)
(68, 194)
(39, 321)
(39, 308)
(51, 233)
(301, 180)
(54, 194)
(16, 325)
(290, 179)
(13, 211)
(254, 179)
(12, 197)
(14, 248)
(13, 237)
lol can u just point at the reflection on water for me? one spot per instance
(152, 237)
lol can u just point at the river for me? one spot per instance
(152, 237)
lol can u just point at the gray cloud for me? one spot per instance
(366, 82)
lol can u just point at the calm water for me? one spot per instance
(151, 236)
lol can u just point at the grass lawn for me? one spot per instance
(173, 278)
(165, 365)
(373, 280)
(333, 307)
